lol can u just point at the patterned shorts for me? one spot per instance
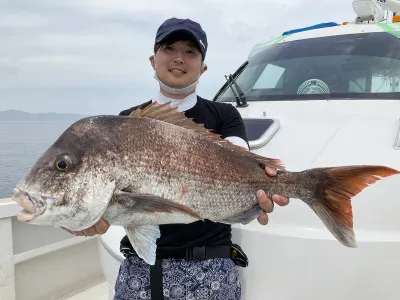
(213, 279)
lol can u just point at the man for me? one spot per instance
(184, 269)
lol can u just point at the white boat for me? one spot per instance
(327, 95)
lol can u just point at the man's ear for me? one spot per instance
(152, 61)
(203, 68)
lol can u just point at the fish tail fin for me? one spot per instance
(332, 191)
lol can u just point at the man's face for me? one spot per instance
(178, 64)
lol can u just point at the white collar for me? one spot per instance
(182, 104)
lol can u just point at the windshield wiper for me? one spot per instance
(241, 100)
(228, 83)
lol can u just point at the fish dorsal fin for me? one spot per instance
(171, 115)
(165, 113)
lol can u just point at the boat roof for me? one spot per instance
(325, 30)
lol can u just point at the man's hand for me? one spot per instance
(266, 203)
(100, 227)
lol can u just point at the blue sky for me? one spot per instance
(91, 56)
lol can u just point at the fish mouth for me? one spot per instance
(33, 206)
(26, 216)
(23, 199)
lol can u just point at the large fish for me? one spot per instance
(158, 167)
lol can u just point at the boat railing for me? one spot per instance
(40, 262)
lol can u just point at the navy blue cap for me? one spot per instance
(193, 28)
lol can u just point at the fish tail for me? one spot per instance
(332, 190)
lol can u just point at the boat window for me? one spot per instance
(270, 77)
(255, 128)
(356, 66)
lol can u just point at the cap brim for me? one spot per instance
(195, 38)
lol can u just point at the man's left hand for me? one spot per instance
(266, 203)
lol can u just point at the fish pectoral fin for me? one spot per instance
(152, 203)
(143, 239)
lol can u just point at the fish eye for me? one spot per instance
(62, 164)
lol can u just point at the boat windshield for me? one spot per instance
(354, 66)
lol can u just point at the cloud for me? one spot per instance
(91, 56)
(21, 20)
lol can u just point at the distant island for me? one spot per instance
(18, 115)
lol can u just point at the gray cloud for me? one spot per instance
(91, 56)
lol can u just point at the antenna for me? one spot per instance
(368, 11)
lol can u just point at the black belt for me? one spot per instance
(233, 252)
(156, 281)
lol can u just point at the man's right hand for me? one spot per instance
(100, 227)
